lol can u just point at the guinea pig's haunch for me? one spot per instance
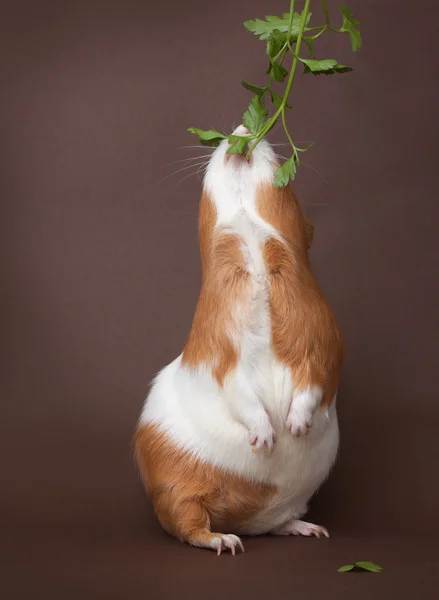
(241, 429)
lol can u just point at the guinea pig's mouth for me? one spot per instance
(239, 160)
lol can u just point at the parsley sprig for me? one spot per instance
(283, 36)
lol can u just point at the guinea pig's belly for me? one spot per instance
(295, 469)
(298, 466)
(198, 420)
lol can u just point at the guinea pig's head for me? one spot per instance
(232, 178)
(236, 170)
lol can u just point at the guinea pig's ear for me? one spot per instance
(309, 232)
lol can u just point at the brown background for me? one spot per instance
(101, 274)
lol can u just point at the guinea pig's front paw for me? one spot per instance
(299, 422)
(262, 436)
(303, 406)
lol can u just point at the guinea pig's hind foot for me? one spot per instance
(191, 522)
(228, 542)
(296, 527)
(204, 538)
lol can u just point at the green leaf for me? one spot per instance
(350, 26)
(348, 18)
(239, 144)
(361, 566)
(346, 568)
(275, 43)
(277, 71)
(355, 37)
(284, 173)
(259, 91)
(209, 137)
(277, 100)
(327, 67)
(310, 45)
(254, 117)
(263, 29)
(369, 566)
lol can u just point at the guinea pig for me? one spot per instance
(240, 430)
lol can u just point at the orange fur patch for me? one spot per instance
(305, 335)
(225, 286)
(191, 498)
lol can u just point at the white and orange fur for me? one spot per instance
(241, 429)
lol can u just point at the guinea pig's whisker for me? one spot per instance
(325, 179)
(222, 122)
(182, 160)
(203, 162)
(288, 143)
(202, 168)
(199, 147)
(187, 177)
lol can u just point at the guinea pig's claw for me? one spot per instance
(228, 542)
(264, 442)
(296, 527)
(268, 449)
(300, 430)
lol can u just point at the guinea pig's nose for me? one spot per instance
(241, 130)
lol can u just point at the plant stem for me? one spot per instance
(284, 123)
(296, 54)
(290, 24)
(317, 35)
(325, 10)
(270, 123)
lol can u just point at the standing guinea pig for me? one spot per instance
(240, 430)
